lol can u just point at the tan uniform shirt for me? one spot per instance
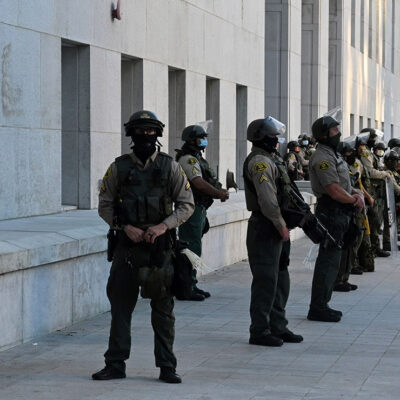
(181, 193)
(367, 160)
(263, 173)
(292, 163)
(191, 166)
(302, 155)
(327, 168)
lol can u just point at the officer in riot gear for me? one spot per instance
(305, 154)
(136, 200)
(336, 201)
(268, 239)
(377, 177)
(294, 161)
(205, 187)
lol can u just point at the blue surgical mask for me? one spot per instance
(203, 142)
(305, 142)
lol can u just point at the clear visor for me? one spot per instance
(206, 125)
(379, 135)
(281, 140)
(276, 125)
(335, 113)
(351, 140)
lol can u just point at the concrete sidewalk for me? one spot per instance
(357, 358)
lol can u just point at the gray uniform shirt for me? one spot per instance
(191, 166)
(263, 172)
(181, 193)
(327, 168)
(367, 160)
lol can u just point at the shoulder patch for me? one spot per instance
(292, 156)
(355, 164)
(260, 166)
(324, 165)
(192, 161)
(365, 154)
(108, 173)
(263, 178)
(103, 188)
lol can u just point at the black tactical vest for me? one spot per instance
(144, 196)
(283, 182)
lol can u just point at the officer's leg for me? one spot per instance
(264, 252)
(366, 255)
(191, 231)
(374, 227)
(163, 322)
(277, 317)
(122, 292)
(353, 251)
(386, 229)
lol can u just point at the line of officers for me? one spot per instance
(146, 195)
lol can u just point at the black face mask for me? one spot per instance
(268, 144)
(333, 141)
(351, 159)
(144, 146)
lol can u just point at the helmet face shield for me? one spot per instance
(274, 125)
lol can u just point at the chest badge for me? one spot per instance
(192, 161)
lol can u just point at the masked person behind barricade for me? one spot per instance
(294, 161)
(336, 203)
(205, 188)
(136, 200)
(349, 262)
(268, 241)
(370, 161)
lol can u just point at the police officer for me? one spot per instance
(205, 187)
(392, 164)
(375, 213)
(268, 240)
(330, 182)
(305, 154)
(293, 161)
(136, 198)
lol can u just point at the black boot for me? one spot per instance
(325, 315)
(168, 374)
(342, 287)
(202, 292)
(107, 373)
(382, 253)
(356, 271)
(289, 337)
(266, 340)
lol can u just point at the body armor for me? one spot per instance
(144, 198)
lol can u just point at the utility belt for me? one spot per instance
(326, 201)
(162, 244)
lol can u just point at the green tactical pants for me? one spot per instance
(375, 217)
(269, 260)
(192, 231)
(122, 292)
(328, 260)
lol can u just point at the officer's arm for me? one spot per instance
(108, 192)
(374, 173)
(396, 187)
(181, 195)
(263, 175)
(202, 185)
(336, 192)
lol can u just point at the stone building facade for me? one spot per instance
(323, 54)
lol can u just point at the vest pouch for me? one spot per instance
(153, 209)
(155, 282)
(128, 211)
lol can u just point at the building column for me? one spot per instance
(283, 62)
(314, 61)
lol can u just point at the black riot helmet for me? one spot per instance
(143, 120)
(292, 145)
(394, 142)
(345, 148)
(321, 126)
(192, 132)
(261, 129)
(391, 160)
(379, 146)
